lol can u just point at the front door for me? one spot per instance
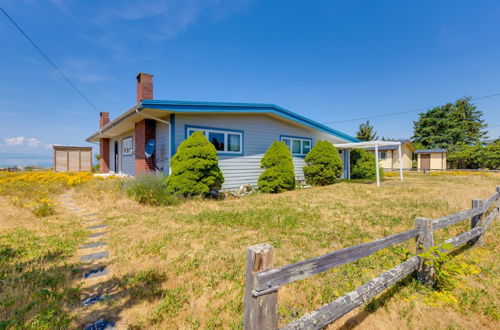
(425, 161)
(117, 157)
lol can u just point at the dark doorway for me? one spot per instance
(425, 161)
(117, 158)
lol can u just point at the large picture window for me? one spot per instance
(298, 146)
(128, 146)
(224, 141)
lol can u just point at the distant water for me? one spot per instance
(42, 162)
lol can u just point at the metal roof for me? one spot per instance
(431, 151)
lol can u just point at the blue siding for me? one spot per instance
(260, 131)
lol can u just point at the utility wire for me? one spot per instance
(401, 112)
(50, 61)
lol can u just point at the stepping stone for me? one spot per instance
(101, 271)
(95, 256)
(97, 226)
(101, 324)
(92, 300)
(97, 234)
(92, 220)
(92, 245)
(89, 215)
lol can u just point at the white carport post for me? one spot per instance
(377, 169)
(375, 145)
(400, 163)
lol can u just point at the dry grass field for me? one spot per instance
(183, 266)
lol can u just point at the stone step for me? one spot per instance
(93, 299)
(101, 324)
(98, 272)
(92, 245)
(97, 226)
(95, 256)
(97, 234)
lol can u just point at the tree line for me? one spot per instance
(458, 127)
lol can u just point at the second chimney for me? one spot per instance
(144, 86)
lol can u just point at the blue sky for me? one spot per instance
(327, 60)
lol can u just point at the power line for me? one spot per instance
(402, 112)
(50, 61)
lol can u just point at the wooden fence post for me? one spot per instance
(498, 200)
(425, 240)
(477, 221)
(260, 312)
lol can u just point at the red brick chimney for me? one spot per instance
(103, 119)
(144, 86)
(104, 144)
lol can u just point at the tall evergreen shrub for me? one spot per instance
(195, 168)
(324, 165)
(279, 174)
(363, 165)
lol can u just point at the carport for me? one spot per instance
(373, 144)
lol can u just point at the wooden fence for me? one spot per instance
(263, 281)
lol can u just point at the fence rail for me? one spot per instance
(263, 281)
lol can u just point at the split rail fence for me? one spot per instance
(263, 281)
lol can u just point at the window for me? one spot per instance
(382, 155)
(128, 146)
(298, 146)
(224, 141)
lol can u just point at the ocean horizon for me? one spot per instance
(13, 162)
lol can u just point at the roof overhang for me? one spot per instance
(159, 108)
(126, 122)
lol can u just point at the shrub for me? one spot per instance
(150, 189)
(363, 165)
(279, 174)
(195, 168)
(324, 165)
(475, 156)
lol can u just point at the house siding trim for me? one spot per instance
(241, 153)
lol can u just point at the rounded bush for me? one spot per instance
(324, 165)
(195, 168)
(363, 165)
(279, 174)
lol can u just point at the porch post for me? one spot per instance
(376, 164)
(400, 163)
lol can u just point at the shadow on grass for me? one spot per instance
(120, 293)
(45, 291)
(384, 298)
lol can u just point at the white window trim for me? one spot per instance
(291, 138)
(130, 151)
(207, 130)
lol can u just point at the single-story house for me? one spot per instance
(431, 159)
(241, 133)
(389, 158)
